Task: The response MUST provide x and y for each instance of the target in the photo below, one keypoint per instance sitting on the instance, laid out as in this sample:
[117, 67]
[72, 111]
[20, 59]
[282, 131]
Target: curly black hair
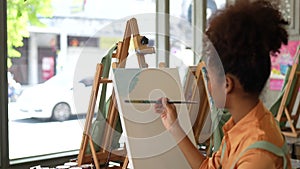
[244, 35]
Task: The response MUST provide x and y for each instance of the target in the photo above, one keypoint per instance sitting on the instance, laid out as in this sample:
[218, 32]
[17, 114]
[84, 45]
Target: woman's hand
[168, 114]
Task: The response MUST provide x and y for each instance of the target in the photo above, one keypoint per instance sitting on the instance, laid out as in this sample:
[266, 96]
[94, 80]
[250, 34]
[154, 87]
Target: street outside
[32, 137]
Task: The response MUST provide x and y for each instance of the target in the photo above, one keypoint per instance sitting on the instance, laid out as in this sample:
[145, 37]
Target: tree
[21, 14]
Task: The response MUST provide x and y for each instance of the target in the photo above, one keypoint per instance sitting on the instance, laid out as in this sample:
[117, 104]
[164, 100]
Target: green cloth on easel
[98, 126]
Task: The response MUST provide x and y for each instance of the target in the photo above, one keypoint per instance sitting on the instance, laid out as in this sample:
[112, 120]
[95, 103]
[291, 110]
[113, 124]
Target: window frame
[3, 85]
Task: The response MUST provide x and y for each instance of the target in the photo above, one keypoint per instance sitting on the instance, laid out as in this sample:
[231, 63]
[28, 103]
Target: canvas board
[149, 145]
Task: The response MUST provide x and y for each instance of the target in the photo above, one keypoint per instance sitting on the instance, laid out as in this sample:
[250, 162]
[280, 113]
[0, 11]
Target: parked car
[53, 99]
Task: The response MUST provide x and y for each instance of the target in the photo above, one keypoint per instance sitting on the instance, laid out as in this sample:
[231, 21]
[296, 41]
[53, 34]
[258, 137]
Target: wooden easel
[104, 155]
[195, 90]
[291, 91]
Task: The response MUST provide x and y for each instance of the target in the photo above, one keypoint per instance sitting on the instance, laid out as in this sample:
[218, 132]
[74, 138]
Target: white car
[54, 98]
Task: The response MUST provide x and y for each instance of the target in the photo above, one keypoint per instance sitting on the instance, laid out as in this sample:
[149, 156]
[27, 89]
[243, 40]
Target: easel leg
[82, 149]
[95, 159]
[290, 121]
[125, 164]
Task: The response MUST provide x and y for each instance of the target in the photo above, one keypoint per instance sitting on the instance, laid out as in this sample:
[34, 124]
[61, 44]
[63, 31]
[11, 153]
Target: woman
[244, 35]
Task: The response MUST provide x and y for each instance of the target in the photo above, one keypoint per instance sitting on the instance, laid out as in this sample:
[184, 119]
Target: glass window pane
[181, 40]
[43, 118]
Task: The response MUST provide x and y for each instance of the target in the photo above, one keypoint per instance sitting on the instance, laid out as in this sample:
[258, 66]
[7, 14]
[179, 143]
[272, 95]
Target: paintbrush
[159, 101]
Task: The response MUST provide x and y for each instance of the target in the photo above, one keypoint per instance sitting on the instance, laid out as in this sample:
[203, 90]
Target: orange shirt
[258, 125]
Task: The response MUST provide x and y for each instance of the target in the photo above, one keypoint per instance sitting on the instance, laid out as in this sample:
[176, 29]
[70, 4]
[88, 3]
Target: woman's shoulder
[267, 129]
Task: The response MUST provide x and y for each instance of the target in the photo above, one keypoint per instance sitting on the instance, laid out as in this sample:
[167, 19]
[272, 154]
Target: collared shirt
[258, 125]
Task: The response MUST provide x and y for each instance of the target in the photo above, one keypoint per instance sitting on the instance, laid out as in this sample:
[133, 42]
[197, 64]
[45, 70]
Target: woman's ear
[229, 84]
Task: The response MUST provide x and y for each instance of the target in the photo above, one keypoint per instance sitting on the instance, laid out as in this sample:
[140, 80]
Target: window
[43, 121]
[183, 35]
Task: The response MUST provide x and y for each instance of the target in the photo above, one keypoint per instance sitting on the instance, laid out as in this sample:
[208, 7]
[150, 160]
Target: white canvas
[148, 143]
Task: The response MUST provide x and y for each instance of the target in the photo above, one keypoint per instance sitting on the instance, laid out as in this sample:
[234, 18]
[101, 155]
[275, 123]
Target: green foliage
[21, 14]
